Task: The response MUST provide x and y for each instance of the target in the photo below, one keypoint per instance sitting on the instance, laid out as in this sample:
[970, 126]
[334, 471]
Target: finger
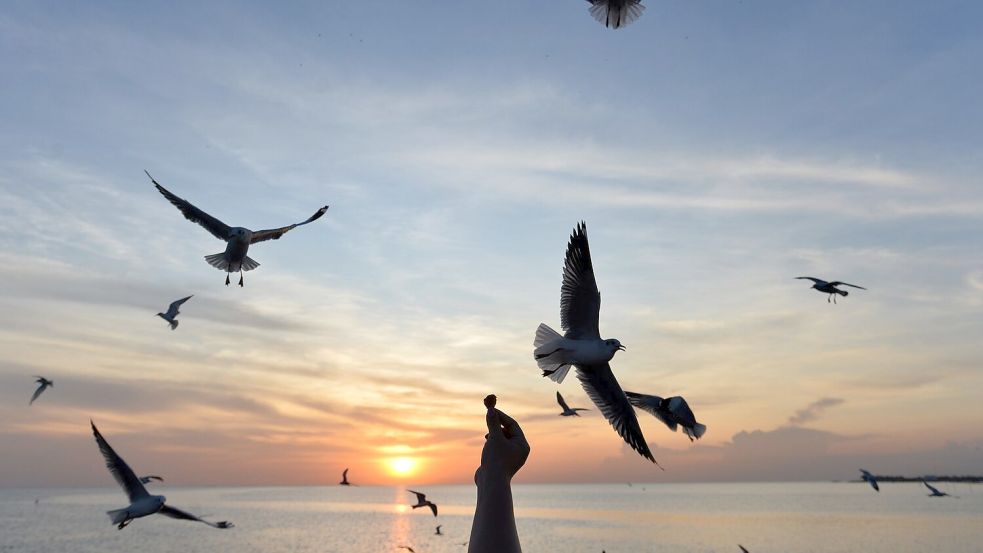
[512, 428]
[494, 426]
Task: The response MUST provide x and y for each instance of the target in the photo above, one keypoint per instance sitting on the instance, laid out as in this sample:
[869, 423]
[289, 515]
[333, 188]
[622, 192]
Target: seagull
[238, 239]
[743, 549]
[173, 311]
[672, 411]
[935, 491]
[870, 479]
[141, 503]
[421, 501]
[616, 13]
[406, 547]
[567, 411]
[582, 346]
[147, 479]
[437, 533]
[44, 384]
[344, 479]
[830, 287]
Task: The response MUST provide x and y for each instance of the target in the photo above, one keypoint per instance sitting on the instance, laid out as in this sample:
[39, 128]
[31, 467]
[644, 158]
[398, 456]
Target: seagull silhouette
[141, 503]
[616, 13]
[437, 533]
[935, 491]
[238, 239]
[830, 287]
[567, 411]
[406, 547]
[869, 478]
[173, 312]
[44, 384]
[344, 479]
[672, 411]
[742, 548]
[582, 347]
[421, 501]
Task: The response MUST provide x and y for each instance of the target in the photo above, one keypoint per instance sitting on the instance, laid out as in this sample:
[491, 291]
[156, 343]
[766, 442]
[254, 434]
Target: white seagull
[672, 411]
[173, 312]
[582, 346]
[147, 479]
[43, 384]
[567, 411]
[616, 13]
[421, 501]
[830, 287]
[238, 239]
[344, 479]
[141, 503]
[869, 478]
[935, 491]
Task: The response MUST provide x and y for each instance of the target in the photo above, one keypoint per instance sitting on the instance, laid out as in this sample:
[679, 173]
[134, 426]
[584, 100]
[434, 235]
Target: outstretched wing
[37, 393]
[931, 487]
[816, 280]
[276, 233]
[169, 511]
[218, 229]
[119, 469]
[650, 404]
[172, 311]
[580, 302]
[838, 283]
[742, 548]
[433, 507]
[599, 383]
[420, 497]
[563, 404]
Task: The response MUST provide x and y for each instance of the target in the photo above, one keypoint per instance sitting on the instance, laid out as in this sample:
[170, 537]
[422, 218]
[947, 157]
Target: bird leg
[240, 279]
[226, 279]
[124, 524]
[834, 299]
[829, 297]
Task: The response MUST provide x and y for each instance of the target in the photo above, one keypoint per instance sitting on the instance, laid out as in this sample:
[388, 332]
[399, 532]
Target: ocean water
[678, 518]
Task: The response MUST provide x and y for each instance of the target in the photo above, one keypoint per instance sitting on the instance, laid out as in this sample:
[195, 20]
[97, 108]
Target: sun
[402, 466]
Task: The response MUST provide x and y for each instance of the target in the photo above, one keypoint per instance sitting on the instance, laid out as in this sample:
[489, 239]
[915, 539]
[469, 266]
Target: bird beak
[622, 348]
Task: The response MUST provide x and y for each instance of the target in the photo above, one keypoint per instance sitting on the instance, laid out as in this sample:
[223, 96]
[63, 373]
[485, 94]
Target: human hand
[505, 450]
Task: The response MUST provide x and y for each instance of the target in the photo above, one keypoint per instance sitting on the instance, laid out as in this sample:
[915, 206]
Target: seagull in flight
[616, 13]
[672, 411]
[238, 239]
[869, 478]
[437, 533]
[43, 384]
[147, 479]
[830, 287]
[344, 479]
[421, 501]
[935, 491]
[406, 547]
[567, 411]
[173, 311]
[141, 503]
[582, 347]
[743, 549]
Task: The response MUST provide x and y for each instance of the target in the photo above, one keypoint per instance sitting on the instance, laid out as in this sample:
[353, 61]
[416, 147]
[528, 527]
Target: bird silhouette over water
[141, 503]
[935, 491]
[43, 384]
[616, 13]
[672, 411]
[582, 347]
[344, 479]
[438, 533]
[173, 311]
[567, 411]
[421, 501]
[869, 478]
[237, 239]
[830, 287]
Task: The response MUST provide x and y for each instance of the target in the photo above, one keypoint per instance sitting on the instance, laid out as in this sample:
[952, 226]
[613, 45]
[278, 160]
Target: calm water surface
[786, 518]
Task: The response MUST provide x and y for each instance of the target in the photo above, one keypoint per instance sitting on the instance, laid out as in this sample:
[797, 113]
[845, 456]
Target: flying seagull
[406, 547]
[147, 479]
[173, 312]
[437, 533]
[44, 385]
[869, 478]
[141, 503]
[935, 491]
[743, 549]
[567, 411]
[616, 13]
[344, 479]
[581, 345]
[238, 239]
[421, 501]
[830, 287]
[672, 411]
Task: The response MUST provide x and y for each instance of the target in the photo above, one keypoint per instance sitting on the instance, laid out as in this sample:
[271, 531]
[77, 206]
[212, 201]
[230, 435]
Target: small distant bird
[935, 491]
[344, 479]
[582, 346]
[742, 548]
[44, 384]
[438, 533]
[173, 312]
[406, 547]
[616, 13]
[830, 287]
[421, 501]
[147, 479]
[672, 411]
[869, 478]
[141, 503]
[238, 239]
[567, 411]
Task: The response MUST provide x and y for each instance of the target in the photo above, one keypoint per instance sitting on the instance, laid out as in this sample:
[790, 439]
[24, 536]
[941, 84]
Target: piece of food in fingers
[490, 401]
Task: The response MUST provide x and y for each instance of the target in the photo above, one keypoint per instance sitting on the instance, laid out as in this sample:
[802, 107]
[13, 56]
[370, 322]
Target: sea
[679, 518]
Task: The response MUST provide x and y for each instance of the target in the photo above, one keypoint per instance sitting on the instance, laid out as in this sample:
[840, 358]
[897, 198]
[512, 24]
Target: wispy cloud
[813, 411]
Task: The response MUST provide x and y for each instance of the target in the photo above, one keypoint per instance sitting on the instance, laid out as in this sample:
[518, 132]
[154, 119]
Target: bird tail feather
[699, 430]
[547, 344]
[218, 261]
[174, 324]
[117, 516]
[248, 263]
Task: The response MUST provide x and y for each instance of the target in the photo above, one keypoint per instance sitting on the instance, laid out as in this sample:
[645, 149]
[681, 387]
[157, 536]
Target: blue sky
[716, 151]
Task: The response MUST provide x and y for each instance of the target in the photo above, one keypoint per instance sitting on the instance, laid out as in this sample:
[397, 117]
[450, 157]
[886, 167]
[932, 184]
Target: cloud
[813, 411]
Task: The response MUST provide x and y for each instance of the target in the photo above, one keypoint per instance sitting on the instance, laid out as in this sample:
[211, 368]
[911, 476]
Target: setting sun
[402, 466]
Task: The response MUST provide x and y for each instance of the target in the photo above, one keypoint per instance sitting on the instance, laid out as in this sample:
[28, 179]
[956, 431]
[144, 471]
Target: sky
[716, 150]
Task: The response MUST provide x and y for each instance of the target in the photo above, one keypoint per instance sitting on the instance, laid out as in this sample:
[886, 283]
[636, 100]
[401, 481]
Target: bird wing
[173, 311]
[218, 229]
[931, 487]
[742, 548]
[147, 479]
[816, 280]
[838, 283]
[119, 469]
[650, 404]
[276, 233]
[344, 474]
[169, 511]
[580, 302]
[420, 497]
[603, 389]
[681, 410]
[433, 507]
[563, 404]
[37, 393]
